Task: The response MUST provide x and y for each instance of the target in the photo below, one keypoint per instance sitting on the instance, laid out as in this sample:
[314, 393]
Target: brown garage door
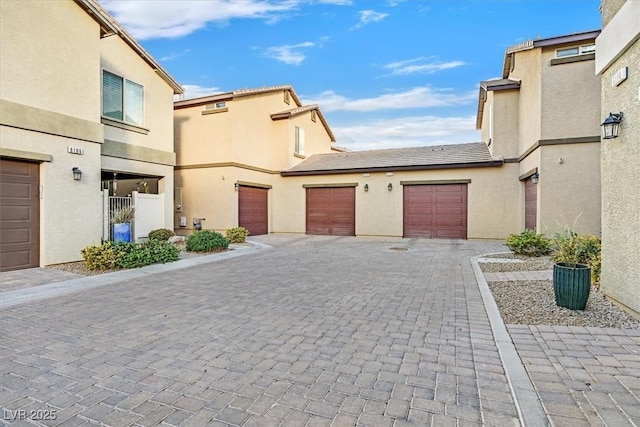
[530, 204]
[253, 209]
[19, 215]
[331, 211]
[435, 211]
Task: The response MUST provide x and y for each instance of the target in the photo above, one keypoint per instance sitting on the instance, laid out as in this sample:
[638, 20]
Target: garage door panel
[435, 211]
[253, 209]
[331, 211]
[19, 215]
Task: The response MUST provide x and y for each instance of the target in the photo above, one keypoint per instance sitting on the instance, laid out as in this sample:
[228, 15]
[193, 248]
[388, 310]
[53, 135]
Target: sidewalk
[582, 376]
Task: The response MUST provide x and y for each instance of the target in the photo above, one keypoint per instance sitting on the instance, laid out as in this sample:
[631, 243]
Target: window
[122, 99]
[299, 149]
[576, 50]
[217, 105]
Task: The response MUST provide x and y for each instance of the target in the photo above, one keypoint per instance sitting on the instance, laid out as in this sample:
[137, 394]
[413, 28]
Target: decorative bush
[103, 257]
[128, 255]
[206, 241]
[572, 248]
[161, 234]
[237, 234]
[136, 255]
[529, 243]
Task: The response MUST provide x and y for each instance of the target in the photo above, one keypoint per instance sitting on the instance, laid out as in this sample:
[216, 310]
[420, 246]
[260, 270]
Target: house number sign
[75, 150]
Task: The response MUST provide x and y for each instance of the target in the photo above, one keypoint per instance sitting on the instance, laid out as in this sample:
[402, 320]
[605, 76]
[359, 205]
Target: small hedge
[206, 241]
[529, 243]
[161, 234]
[572, 248]
[237, 234]
[109, 255]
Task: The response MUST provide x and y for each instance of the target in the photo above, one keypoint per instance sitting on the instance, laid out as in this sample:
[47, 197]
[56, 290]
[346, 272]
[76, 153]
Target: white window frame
[580, 50]
[299, 141]
[126, 94]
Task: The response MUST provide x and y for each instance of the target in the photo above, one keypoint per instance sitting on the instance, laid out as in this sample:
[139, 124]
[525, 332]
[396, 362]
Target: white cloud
[420, 66]
[413, 131]
[170, 19]
[418, 97]
[174, 55]
[336, 2]
[195, 91]
[289, 54]
[368, 16]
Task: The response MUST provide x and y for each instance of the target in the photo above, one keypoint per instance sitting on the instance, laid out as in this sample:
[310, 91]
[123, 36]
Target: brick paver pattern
[318, 331]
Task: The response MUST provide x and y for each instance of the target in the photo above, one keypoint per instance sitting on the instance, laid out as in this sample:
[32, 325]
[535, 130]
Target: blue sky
[386, 73]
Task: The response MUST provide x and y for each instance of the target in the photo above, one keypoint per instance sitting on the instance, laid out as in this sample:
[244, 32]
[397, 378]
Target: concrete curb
[527, 402]
[36, 293]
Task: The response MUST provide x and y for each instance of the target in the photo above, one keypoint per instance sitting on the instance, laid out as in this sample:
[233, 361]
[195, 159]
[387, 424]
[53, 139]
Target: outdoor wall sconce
[390, 187]
[366, 187]
[77, 173]
[535, 178]
[611, 125]
[236, 185]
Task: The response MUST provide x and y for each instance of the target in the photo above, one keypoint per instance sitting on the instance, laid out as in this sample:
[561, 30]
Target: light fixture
[236, 185]
[390, 187]
[611, 125]
[77, 173]
[535, 178]
[366, 187]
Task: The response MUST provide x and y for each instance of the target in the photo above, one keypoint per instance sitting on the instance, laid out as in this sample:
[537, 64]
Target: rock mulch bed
[533, 302]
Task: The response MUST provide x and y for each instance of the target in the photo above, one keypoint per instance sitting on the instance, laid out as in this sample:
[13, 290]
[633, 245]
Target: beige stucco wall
[70, 211]
[49, 49]
[570, 98]
[246, 134]
[503, 107]
[210, 193]
[527, 69]
[379, 212]
[569, 192]
[621, 175]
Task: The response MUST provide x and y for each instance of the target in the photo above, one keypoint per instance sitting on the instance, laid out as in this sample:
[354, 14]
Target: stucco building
[543, 117]
[76, 91]
[618, 64]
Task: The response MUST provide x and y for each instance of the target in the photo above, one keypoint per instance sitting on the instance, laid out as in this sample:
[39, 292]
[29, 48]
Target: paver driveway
[316, 331]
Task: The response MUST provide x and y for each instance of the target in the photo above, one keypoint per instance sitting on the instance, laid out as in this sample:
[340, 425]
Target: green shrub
[111, 255]
[103, 257]
[529, 243]
[135, 255]
[161, 234]
[206, 241]
[237, 234]
[572, 248]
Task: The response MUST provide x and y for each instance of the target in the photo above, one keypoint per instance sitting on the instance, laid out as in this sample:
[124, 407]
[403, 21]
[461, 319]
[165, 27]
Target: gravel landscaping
[533, 302]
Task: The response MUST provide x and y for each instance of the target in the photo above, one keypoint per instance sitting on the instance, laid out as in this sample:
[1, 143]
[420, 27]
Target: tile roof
[286, 114]
[413, 158]
[237, 94]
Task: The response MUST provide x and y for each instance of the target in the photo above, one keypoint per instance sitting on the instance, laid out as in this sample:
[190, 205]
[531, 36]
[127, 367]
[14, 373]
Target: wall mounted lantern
[611, 125]
[77, 173]
[366, 187]
[390, 187]
[535, 178]
[236, 185]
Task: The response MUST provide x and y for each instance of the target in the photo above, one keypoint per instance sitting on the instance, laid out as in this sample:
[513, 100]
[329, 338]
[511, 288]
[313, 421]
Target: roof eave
[488, 163]
[111, 27]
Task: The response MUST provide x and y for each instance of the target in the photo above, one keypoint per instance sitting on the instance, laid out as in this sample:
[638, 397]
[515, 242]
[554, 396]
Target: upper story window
[575, 50]
[299, 147]
[122, 99]
[217, 105]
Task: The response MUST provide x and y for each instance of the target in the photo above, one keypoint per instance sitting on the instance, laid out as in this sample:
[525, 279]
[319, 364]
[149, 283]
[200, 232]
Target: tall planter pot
[122, 232]
[571, 285]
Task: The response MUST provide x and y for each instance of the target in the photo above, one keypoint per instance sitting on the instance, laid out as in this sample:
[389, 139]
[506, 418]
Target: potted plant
[121, 219]
[572, 272]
